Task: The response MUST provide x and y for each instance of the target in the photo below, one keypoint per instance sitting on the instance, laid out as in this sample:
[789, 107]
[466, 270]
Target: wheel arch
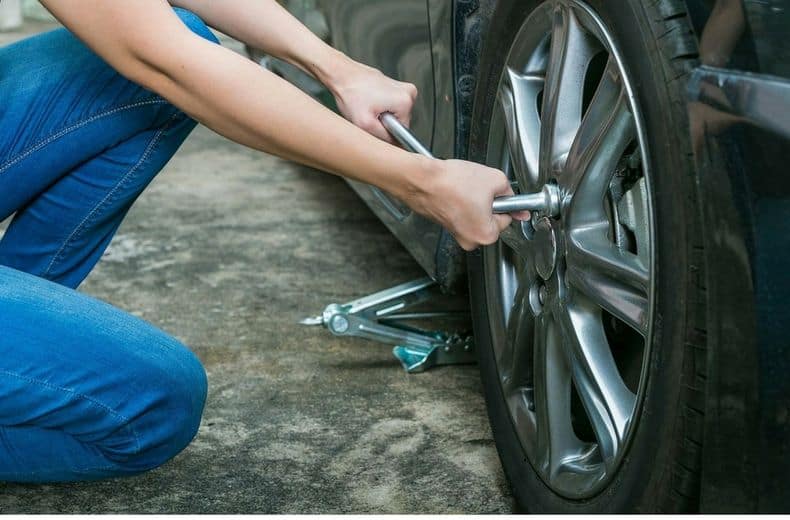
[471, 20]
[458, 28]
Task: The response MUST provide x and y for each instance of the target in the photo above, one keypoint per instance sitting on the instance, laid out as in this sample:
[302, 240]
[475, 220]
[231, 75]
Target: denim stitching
[77, 232]
[12, 476]
[5, 475]
[124, 420]
[67, 130]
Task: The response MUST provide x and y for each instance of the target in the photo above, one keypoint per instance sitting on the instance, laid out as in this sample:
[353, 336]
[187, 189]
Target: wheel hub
[549, 261]
[545, 240]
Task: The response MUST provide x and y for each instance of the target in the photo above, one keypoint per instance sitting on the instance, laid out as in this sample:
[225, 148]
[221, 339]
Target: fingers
[405, 119]
[370, 93]
[377, 129]
[506, 190]
[403, 109]
[466, 245]
[498, 225]
[412, 90]
[521, 215]
[502, 222]
[382, 133]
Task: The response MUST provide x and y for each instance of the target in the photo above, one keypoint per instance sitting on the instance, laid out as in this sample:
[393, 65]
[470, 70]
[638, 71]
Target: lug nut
[538, 295]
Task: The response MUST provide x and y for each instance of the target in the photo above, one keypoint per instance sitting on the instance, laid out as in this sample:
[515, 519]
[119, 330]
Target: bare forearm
[266, 25]
[251, 106]
[232, 95]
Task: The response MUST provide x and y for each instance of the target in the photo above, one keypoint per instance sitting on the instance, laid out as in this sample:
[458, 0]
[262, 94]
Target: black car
[634, 343]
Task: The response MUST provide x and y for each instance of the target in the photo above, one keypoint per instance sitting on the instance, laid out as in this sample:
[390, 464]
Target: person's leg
[87, 391]
[78, 144]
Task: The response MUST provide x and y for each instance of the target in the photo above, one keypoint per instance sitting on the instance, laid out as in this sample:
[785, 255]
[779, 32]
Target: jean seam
[125, 422]
[16, 474]
[129, 175]
[54, 137]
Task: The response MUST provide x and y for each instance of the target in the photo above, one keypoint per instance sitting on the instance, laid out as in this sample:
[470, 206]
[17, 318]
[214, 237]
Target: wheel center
[546, 247]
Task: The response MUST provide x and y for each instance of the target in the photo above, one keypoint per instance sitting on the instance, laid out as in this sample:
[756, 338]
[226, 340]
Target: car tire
[659, 467]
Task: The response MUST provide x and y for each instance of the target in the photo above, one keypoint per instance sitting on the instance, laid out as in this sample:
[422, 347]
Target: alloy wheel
[570, 293]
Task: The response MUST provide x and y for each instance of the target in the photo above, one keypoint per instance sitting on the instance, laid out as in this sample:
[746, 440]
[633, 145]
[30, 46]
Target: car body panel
[739, 101]
[394, 37]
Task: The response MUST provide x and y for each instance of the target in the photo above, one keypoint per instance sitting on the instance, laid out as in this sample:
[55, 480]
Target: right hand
[459, 195]
[362, 93]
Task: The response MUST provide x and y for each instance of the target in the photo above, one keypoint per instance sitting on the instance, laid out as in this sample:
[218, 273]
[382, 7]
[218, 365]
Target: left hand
[363, 93]
[459, 196]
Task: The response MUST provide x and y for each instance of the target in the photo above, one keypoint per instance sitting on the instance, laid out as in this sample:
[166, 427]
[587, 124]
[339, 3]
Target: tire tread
[678, 45]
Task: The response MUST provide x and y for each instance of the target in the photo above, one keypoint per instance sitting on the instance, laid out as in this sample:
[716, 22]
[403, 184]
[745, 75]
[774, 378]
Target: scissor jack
[381, 317]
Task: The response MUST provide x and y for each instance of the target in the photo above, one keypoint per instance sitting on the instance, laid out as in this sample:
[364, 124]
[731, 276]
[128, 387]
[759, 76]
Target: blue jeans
[86, 391]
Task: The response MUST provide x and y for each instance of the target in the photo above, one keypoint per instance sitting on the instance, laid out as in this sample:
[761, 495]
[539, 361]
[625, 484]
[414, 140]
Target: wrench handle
[531, 201]
[524, 202]
[403, 135]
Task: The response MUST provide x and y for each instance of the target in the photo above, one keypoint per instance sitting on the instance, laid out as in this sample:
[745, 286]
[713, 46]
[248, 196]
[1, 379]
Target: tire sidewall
[643, 480]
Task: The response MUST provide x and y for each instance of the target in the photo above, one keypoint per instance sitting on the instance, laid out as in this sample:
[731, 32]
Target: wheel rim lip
[495, 267]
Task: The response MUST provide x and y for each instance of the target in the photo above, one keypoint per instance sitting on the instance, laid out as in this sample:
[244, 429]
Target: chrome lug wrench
[545, 201]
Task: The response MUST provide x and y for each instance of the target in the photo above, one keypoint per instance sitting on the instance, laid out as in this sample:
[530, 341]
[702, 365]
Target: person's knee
[184, 402]
[195, 24]
[169, 415]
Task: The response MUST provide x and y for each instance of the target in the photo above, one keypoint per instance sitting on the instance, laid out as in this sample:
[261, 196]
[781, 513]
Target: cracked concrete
[227, 250]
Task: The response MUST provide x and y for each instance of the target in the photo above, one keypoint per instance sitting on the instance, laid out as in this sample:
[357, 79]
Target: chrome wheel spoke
[615, 280]
[598, 157]
[606, 399]
[520, 327]
[572, 48]
[604, 129]
[518, 98]
[555, 439]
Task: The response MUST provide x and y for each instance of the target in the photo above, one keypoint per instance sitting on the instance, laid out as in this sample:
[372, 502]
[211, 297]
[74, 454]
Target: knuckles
[489, 238]
[481, 238]
[407, 102]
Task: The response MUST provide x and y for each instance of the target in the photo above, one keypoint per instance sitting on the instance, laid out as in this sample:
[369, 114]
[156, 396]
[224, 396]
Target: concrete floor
[227, 250]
